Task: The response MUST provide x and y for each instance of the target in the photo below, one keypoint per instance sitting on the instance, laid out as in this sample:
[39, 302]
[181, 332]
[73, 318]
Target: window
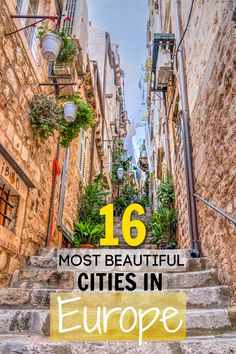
[8, 207]
[70, 8]
[4, 197]
[29, 7]
[82, 153]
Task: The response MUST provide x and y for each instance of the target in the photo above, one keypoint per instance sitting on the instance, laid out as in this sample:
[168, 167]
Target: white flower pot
[51, 46]
[70, 111]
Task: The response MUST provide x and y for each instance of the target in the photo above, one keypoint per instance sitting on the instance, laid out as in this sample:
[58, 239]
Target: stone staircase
[25, 318]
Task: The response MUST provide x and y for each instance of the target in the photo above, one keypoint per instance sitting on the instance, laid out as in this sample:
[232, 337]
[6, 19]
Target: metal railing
[219, 211]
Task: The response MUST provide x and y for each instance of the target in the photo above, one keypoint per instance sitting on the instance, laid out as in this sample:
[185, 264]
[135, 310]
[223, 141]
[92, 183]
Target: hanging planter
[51, 46]
[70, 111]
[57, 45]
[45, 116]
[69, 130]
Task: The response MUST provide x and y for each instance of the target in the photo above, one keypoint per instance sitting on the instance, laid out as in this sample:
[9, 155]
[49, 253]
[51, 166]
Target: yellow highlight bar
[103, 316]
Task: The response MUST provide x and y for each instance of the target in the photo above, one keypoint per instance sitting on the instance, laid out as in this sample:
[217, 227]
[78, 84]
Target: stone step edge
[75, 289]
[53, 269]
[188, 310]
[227, 335]
[208, 345]
[199, 322]
[217, 297]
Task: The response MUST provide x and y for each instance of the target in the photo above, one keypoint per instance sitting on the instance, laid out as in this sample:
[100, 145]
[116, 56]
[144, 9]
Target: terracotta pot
[86, 245]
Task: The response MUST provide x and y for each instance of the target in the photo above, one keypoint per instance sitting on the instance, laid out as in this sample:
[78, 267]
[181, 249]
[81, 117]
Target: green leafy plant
[126, 197]
[92, 201]
[87, 233]
[120, 203]
[163, 226]
[84, 119]
[165, 194]
[68, 50]
[128, 193]
[45, 115]
[144, 201]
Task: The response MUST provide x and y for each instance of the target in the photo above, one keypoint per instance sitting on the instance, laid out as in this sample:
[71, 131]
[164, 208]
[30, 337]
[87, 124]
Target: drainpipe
[187, 139]
[53, 191]
[167, 143]
[94, 129]
[52, 199]
[107, 38]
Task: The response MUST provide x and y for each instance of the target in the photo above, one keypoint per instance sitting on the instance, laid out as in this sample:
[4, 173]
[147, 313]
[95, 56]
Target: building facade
[208, 40]
[41, 182]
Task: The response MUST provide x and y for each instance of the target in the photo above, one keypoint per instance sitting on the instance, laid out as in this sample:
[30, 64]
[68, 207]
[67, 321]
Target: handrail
[219, 211]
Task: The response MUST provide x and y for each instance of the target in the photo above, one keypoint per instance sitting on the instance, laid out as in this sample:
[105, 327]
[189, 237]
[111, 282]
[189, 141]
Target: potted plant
[87, 235]
[57, 45]
[84, 119]
[163, 226]
[51, 44]
[45, 115]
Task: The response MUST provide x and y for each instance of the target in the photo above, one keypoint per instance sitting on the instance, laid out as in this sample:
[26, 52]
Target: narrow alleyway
[121, 135]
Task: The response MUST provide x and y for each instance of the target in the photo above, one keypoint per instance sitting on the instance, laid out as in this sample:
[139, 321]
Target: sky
[126, 21]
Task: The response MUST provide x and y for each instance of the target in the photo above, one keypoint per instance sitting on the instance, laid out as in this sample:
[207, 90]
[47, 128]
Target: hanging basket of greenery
[84, 119]
[45, 115]
[57, 45]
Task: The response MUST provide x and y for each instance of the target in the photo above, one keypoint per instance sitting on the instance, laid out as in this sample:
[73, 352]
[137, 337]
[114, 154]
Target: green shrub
[87, 233]
[92, 201]
[126, 197]
[163, 226]
[165, 194]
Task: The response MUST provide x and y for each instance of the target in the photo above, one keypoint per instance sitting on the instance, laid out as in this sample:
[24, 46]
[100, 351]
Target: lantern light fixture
[120, 173]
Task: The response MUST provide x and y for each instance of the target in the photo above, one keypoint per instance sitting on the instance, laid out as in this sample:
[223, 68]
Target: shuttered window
[69, 10]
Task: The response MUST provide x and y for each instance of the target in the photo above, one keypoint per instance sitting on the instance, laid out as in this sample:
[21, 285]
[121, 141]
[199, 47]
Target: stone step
[197, 279]
[52, 252]
[47, 251]
[142, 246]
[16, 344]
[193, 264]
[43, 278]
[210, 297]
[54, 279]
[37, 322]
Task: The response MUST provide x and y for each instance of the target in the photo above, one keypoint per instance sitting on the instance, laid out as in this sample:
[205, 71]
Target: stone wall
[210, 50]
[20, 78]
